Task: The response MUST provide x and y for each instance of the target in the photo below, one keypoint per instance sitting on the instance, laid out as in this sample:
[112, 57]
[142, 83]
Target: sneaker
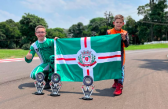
[47, 85]
[115, 84]
[118, 90]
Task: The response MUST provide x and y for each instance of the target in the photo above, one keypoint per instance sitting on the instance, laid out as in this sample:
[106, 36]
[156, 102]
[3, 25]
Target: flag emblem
[86, 58]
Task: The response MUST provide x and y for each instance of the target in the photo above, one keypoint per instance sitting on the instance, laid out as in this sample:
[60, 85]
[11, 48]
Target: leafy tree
[144, 10]
[158, 15]
[77, 30]
[96, 23]
[155, 15]
[27, 27]
[56, 32]
[143, 32]
[9, 34]
[132, 28]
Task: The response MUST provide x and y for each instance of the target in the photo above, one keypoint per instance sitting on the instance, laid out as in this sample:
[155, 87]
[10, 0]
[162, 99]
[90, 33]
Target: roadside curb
[15, 59]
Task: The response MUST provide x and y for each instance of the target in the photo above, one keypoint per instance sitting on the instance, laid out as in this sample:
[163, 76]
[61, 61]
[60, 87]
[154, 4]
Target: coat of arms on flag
[86, 58]
[98, 57]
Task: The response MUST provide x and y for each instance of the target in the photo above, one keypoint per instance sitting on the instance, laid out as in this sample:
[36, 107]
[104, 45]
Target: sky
[65, 13]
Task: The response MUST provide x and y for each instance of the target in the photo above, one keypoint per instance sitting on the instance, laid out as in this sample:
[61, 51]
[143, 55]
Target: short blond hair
[119, 16]
[39, 26]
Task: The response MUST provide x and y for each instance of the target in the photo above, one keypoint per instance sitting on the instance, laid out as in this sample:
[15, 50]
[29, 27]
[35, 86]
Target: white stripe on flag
[85, 43]
[88, 72]
[55, 57]
[66, 59]
[65, 62]
[67, 56]
[82, 43]
[108, 54]
[104, 57]
[109, 60]
[108, 57]
[88, 43]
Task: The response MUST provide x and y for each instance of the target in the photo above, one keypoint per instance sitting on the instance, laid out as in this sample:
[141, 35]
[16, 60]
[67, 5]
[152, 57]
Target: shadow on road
[26, 85]
[154, 64]
[104, 92]
[99, 92]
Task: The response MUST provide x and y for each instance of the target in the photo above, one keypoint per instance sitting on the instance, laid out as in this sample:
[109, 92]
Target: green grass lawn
[12, 53]
[18, 53]
[148, 46]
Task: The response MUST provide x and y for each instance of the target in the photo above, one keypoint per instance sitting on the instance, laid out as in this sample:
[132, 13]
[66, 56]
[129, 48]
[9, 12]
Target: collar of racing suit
[42, 41]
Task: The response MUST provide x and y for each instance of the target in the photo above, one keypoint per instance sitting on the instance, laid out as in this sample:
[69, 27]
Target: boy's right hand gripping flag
[98, 57]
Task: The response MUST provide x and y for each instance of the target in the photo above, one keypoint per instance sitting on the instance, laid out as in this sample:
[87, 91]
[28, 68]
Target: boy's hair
[39, 26]
[119, 16]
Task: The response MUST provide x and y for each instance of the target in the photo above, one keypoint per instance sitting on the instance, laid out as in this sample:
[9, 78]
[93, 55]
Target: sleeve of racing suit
[126, 42]
[32, 51]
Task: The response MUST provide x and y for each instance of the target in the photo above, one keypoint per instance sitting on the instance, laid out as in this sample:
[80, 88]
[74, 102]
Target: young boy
[118, 23]
[44, 48]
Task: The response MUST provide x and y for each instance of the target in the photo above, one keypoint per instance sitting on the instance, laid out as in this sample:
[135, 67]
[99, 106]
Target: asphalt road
[145, 86]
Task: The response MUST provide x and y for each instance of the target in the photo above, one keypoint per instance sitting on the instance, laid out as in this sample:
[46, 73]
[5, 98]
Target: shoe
[115, 84]
[118, 90]
[47, 85]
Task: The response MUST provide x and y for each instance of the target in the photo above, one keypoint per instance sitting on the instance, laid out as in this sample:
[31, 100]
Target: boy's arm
[107, 32]
[30, 54]
[126, 41]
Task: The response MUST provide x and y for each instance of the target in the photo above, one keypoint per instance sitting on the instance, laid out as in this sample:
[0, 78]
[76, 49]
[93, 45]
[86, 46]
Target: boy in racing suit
[118, 23]
[44, 48]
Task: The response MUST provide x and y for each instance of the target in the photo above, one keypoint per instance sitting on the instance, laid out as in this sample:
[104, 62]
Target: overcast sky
[65, 13]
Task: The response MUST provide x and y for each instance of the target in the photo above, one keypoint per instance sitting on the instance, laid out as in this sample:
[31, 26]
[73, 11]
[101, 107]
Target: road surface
[145, 86]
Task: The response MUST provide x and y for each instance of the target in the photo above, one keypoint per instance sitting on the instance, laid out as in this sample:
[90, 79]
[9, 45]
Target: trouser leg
[39, 69]
[122, 79]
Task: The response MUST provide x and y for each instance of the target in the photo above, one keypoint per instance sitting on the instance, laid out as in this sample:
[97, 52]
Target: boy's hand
[55, 38]
[123, 35]
[29, 55]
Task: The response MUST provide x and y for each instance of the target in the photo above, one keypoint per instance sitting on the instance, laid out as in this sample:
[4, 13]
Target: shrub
[12, 45]
[26, 46]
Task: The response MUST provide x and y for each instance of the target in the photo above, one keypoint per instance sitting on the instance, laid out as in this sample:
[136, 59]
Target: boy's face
[40, 33]
[118, 23]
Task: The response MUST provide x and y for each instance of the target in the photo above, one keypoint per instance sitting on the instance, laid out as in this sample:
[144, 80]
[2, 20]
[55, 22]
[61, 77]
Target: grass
[13, 53]
[148, 46]
[18, 53]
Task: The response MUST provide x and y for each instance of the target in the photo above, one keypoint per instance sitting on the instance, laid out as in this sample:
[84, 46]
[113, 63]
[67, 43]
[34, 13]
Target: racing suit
[45, 50]
[124, 43]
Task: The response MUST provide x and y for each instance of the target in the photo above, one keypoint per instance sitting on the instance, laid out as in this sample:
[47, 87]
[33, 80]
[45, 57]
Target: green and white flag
[98, 57]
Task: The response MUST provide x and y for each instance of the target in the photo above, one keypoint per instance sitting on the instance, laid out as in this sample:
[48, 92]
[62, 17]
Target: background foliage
[153, 27]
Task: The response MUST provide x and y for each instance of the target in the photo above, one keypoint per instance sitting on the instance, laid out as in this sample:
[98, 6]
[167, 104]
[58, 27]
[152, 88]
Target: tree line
[153, 27]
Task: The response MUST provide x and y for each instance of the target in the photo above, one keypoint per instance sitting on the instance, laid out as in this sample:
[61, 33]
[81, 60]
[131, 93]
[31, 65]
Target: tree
[27, 27]
[109, 19]
[158, 15]
[9, 34]
[56, 32]
[132, 28]
[144, 10]
[96, 23]
[77, 30]
[143, 31]
[155, 15]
